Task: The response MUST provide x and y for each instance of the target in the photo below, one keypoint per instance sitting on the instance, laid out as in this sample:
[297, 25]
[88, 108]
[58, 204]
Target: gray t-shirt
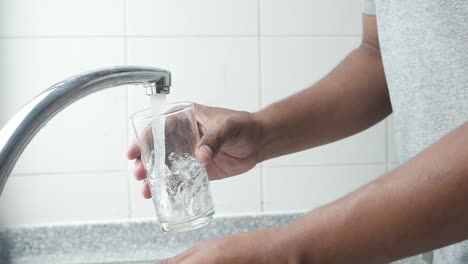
[424, 46]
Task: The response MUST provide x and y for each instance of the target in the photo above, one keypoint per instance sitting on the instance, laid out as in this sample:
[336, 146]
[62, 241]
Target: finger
[204, 151]
[146, 191]
[140, 171]
[210, 143]
[201, 118]
[133, 152]
[204, 154]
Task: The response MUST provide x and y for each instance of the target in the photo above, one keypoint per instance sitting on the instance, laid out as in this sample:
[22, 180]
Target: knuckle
[231, 122]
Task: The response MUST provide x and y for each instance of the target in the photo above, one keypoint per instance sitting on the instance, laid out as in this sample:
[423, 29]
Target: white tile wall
[310, 17]
[393, 161]
[240, 54]
[187, 17]
[392, 155]
[214, 71]
[290, 64]
[363, 148]
[61, 18]
[305, 188]
[57, 198]
[391, 166]
[238, 194]
[139, 207]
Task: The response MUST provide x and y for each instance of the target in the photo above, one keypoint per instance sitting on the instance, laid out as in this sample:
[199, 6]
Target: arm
[413, 209]
[351, 98]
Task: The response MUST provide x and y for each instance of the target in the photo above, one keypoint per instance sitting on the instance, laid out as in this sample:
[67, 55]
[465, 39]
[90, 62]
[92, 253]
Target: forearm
[351, 98]
[413, 209]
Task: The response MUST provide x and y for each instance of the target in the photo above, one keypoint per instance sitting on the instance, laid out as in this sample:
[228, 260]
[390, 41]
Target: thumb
[209, 145]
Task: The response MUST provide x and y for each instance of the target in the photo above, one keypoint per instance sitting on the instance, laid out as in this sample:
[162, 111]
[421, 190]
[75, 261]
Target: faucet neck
[19, 131]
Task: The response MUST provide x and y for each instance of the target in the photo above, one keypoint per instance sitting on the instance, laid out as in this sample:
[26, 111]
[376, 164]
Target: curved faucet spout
[18, 132]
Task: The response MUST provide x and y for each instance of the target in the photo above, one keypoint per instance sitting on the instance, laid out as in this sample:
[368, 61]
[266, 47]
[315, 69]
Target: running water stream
[158, 104]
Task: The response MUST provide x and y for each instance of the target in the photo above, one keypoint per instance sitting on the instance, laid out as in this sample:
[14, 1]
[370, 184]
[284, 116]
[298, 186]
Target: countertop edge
[123, 241]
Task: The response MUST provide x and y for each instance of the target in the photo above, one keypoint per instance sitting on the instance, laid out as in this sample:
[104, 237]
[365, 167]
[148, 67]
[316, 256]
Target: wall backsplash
[75, 169]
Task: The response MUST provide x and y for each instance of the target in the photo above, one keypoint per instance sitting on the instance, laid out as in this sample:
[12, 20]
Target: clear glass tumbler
[178, 181]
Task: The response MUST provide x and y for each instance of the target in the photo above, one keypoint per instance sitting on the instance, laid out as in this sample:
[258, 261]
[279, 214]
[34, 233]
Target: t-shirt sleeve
[368, 7]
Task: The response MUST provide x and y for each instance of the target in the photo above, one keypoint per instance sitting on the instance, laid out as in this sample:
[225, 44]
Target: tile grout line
[386, 145]
[326, 165]
[260, 167]
[184, 36]
[129, 196]
[259, 50]
[65, 173]
[251, 36]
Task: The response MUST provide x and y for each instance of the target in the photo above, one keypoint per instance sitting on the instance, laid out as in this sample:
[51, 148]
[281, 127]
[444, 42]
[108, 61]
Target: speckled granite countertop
[119, 242]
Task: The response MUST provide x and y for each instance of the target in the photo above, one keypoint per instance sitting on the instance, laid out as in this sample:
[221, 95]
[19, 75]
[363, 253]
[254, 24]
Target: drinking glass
[178, 181]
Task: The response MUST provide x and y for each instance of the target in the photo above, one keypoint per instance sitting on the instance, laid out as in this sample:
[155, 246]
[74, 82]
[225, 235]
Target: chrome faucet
[18, 132]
